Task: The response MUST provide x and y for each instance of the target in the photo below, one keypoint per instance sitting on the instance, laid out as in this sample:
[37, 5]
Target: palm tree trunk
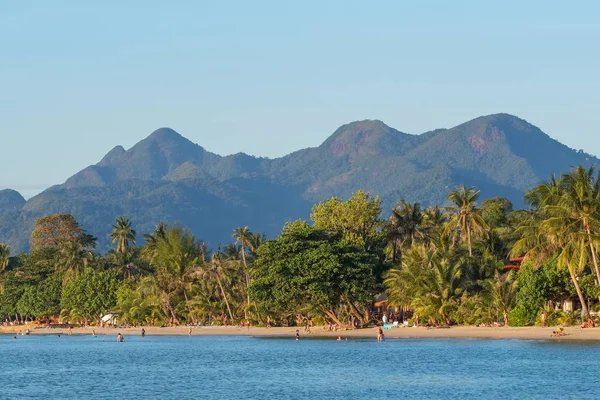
[246, 273]
[594, 256]
[469, 240]
[187, 303]
[584, 309]
[225, 297]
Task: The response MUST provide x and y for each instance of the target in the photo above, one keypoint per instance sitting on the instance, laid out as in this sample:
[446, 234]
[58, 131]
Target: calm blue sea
[80, 367]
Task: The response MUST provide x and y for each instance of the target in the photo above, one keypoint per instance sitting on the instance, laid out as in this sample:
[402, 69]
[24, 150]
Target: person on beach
[69, 331]
[268, 322]
[384, 319]
[248, 324]
[143, 332]
[543, 318]
[190, 331]
[417, 320]
[225, 321]
[297, 334]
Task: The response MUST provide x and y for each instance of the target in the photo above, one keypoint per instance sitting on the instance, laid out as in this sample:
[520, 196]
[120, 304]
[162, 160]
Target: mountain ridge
[171, 179]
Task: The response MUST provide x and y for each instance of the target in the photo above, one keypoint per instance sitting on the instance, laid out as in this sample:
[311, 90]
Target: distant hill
[166, 177]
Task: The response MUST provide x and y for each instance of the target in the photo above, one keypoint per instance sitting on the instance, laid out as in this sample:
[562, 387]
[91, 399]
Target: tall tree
[466, 217]
[122, 234]
[4, 256]
[243, 236]
[54, 230]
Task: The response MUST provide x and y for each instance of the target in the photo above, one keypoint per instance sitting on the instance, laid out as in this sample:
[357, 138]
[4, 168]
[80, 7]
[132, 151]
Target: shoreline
[574, 333]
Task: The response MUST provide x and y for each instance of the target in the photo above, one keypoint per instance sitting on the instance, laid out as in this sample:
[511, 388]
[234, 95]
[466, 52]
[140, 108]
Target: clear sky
[268, 78]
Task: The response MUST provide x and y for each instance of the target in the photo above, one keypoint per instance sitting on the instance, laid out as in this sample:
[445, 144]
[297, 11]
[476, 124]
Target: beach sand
[534, 333]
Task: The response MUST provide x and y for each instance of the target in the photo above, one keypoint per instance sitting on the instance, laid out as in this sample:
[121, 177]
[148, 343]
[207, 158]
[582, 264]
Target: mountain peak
[10, 200]
[165, 134]
[112, 156]
[371, 136]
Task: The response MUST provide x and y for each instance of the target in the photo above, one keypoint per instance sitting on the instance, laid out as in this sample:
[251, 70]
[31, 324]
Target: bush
[520, 316]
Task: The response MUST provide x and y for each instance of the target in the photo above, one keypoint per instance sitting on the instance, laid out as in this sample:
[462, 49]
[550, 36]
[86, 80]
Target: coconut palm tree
[243, 236]
[122, 234]
[579, 207]
[549, 234]
[73, 257]
[466, 217]
[219, 267]
[501, 293]
[405, 227]
[4, 256]
[152, 239]
[177, 257]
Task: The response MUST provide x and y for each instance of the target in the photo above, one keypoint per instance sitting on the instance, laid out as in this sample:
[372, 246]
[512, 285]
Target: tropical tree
[4, 256]
[466, 217]
[244, 237]
[122, 234]
[405, 227]
[177, 257]
[501, 293]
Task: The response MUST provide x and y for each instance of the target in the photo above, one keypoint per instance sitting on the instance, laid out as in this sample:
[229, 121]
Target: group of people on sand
[588, 324]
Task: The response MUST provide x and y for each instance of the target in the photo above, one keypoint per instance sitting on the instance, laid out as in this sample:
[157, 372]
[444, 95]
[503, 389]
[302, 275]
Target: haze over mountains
[166, 177]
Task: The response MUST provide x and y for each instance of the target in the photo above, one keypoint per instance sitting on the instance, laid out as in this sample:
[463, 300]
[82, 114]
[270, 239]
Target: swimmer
[93, 332]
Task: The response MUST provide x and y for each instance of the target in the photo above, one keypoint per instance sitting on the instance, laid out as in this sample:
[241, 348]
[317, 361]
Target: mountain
[166, 177]
[10, 200]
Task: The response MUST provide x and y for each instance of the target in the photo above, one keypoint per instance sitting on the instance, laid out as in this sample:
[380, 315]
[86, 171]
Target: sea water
[205, 367]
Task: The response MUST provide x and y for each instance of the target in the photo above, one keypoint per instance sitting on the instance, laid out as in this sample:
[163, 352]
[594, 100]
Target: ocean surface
[170, 367]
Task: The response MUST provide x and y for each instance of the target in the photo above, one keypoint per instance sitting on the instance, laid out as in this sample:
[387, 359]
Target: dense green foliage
[166, 177]
[442, 266]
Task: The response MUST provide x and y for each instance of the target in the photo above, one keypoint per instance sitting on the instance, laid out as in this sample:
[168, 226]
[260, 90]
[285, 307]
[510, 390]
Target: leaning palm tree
[579, 208]
[122, 234]
[218, 267]
[545, 237]
[466, 217]
[243, 236]
[4, 256]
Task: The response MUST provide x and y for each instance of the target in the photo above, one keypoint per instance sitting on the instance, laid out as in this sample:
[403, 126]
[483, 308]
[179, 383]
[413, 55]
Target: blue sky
[269, 78]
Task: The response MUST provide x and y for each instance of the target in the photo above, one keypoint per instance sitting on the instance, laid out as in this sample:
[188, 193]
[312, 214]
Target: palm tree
[4, 256]
[502, 293]
[152, 239]
[122, 234]
[466, 217]
[550, 234]
[72, 258]
[405, 226]
[217, 268]
[243, 236]
[176, 259]
[579, 207]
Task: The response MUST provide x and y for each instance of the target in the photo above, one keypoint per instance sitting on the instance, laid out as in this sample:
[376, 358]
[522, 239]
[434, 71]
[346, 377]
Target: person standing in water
[297, 334]
[143, 332]
[69, 331]
[380, 336]
[93, 332]
[190, 331]
[119, 337]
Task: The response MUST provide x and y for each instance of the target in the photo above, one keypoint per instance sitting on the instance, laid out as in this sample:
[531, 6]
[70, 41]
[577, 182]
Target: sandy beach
[533, 333]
